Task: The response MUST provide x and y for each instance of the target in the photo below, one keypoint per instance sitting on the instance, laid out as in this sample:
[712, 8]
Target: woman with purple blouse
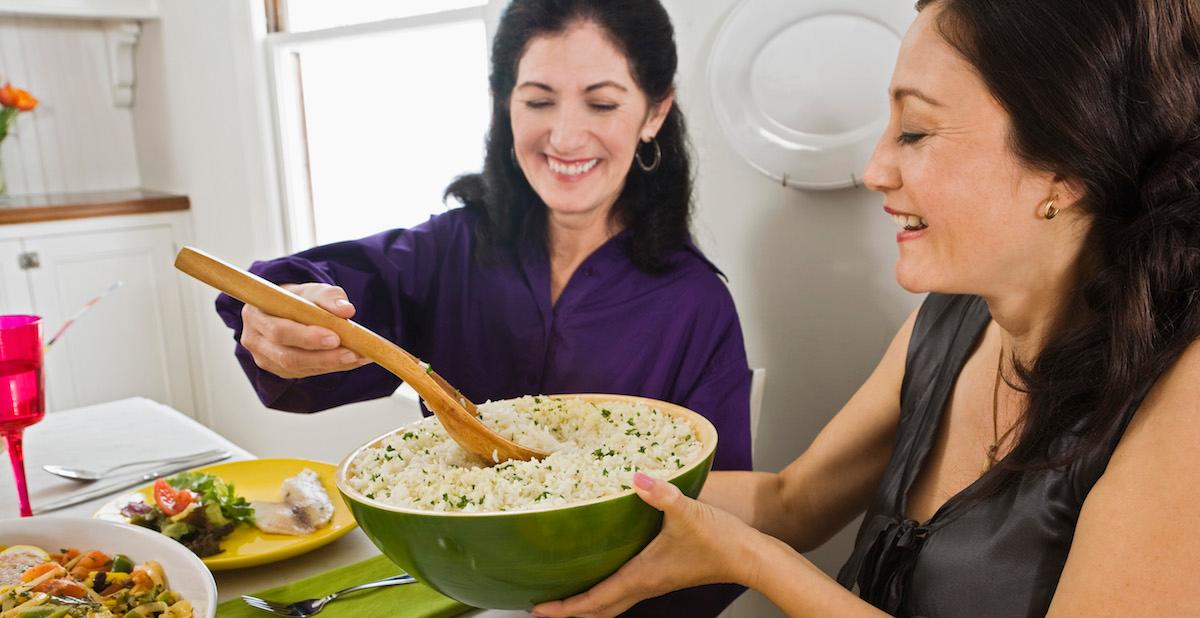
[569, 268]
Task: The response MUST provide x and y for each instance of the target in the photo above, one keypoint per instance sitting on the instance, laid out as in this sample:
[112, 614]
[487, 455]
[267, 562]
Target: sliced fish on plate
[305, 507]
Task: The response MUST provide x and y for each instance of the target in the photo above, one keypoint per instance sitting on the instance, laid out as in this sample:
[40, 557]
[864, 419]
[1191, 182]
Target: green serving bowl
[516, 559]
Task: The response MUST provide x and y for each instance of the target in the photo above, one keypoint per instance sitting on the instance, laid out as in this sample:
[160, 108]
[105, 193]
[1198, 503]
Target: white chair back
[758, 380]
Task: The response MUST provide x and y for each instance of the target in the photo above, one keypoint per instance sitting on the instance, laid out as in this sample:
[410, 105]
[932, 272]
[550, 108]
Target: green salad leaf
[214, 491]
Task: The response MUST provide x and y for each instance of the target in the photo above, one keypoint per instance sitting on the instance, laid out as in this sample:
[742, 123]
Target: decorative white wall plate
[799, 87]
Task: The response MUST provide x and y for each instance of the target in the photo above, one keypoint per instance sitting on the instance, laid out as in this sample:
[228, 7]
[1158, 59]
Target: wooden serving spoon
[456, 413]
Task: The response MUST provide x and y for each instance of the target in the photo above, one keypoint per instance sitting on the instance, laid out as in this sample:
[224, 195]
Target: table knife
[126, 483]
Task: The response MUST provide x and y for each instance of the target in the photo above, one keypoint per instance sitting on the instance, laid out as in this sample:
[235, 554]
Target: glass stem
[16, 453]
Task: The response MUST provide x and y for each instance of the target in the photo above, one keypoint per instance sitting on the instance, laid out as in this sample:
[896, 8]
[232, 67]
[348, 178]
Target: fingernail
[642, 481]
[341, 302]
[349, 357]
[329, 341]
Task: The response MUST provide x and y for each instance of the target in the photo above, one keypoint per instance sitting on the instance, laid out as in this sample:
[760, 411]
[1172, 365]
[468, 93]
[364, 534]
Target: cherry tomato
[170, 501]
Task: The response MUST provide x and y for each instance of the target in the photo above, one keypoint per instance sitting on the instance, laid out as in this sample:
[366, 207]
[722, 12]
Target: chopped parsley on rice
[595, 449]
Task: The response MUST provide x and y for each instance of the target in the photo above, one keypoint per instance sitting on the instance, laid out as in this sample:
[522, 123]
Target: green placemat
[410, 600]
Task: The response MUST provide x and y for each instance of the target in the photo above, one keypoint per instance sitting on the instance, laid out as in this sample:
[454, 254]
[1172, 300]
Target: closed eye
[908, 139]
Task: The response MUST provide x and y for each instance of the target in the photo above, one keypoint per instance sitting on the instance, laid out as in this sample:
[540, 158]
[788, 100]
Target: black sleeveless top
[997, 556]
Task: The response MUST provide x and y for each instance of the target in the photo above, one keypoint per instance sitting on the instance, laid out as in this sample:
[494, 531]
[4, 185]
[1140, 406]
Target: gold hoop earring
[1049, 211]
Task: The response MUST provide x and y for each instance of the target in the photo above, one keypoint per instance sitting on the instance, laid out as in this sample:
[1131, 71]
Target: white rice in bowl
[595, 449]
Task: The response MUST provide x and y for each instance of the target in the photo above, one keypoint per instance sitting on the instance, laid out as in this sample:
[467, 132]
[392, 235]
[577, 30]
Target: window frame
[283, 51]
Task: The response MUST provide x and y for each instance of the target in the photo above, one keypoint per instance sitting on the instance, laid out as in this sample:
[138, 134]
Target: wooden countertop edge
[142, 205]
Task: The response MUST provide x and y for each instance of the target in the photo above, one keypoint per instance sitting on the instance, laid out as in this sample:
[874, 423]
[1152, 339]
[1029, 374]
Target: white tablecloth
[98, 437]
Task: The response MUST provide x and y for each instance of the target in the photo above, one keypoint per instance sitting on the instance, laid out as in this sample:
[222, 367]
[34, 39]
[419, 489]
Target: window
[375, 119]
[308, 15]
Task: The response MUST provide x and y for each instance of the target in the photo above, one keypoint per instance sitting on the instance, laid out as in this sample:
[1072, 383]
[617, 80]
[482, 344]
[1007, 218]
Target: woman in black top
[1030, 442]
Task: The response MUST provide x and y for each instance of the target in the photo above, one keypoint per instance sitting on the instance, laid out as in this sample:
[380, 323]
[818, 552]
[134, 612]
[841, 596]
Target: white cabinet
[135, 341]
[14, 288]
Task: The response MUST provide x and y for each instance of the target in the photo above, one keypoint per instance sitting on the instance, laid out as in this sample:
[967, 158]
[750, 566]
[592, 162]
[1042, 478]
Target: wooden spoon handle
[254, 290]
[456, 412]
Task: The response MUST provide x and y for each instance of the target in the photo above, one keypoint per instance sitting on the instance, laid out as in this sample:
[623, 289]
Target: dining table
[140, 429]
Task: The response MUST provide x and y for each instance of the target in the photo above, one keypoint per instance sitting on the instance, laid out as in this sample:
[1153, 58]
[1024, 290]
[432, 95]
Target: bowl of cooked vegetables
[59, 567]
[511, 534]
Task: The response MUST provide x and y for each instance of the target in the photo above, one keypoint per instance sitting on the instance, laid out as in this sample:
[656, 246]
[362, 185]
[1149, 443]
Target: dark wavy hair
[1105, 94]
[654, 207]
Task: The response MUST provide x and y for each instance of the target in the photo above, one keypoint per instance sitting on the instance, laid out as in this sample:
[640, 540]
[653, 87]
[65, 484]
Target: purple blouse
[492, 332]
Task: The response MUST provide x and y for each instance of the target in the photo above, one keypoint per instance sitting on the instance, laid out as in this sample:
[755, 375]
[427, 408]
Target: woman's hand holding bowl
[699, 544]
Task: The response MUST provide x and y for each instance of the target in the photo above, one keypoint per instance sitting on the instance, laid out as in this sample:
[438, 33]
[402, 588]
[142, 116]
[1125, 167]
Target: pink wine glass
[22, 396]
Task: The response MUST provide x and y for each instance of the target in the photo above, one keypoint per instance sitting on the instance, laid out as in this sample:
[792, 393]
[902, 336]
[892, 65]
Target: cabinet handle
[28, 260]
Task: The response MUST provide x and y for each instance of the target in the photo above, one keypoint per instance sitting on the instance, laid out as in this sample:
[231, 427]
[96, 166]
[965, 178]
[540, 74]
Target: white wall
[811, 272]
[76, 139]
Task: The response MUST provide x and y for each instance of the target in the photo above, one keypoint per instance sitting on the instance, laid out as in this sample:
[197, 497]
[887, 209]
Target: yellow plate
[258, 479]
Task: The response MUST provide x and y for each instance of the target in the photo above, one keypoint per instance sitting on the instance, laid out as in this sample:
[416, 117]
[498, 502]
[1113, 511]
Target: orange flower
[15, 97]
[25, 101]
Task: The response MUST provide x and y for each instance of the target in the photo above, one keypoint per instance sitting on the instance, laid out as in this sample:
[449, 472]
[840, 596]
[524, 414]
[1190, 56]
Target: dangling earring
[1049, 211]
[512, 154]
[657, 157]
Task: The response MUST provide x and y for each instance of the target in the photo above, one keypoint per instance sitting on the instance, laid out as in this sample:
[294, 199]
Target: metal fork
[310, 607]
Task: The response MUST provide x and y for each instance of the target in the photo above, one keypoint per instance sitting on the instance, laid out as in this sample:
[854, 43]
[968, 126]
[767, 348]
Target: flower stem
[7, 116]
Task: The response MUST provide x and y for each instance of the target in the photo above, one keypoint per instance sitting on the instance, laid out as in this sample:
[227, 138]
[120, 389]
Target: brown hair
[654, 207]
[1106, 94]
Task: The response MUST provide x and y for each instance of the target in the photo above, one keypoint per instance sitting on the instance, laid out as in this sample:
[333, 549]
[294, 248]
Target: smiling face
[968, 209]
[577, 118]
